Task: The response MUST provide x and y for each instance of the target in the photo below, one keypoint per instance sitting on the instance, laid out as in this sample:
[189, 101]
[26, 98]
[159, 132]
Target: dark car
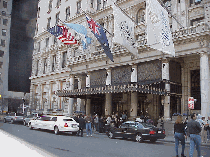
[137, 131]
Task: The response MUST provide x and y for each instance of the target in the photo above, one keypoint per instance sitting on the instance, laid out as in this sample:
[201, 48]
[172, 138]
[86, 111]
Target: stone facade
[152, 83]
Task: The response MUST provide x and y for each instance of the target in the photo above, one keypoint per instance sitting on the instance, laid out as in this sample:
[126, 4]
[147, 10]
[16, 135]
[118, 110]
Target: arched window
[140, 17]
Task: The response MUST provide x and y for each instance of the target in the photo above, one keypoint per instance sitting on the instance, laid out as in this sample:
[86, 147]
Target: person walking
[194, 129]
[204, 131]
[81, 125]
[88, 121]
[124, 117]
[208, 128]
[96, 119]
[179, 135]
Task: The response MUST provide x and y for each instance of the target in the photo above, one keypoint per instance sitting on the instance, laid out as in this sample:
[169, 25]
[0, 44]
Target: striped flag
[62, 34]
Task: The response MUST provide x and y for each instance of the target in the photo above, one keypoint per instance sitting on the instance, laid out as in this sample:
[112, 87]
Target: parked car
[55, 123]
[137, 131]
[30, 117]
[14, 118]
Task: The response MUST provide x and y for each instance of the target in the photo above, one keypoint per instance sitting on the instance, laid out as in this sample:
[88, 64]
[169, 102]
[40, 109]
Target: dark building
[23, 23]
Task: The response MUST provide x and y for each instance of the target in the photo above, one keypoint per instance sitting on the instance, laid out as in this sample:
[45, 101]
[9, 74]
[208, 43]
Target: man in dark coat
[81, 125]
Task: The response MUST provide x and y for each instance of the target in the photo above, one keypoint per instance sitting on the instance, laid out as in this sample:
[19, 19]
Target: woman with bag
[179, 135]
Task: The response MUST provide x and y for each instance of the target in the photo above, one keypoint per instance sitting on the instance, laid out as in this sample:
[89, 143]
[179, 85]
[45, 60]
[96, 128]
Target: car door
[124, 128]
[51, 123]
[131, 130]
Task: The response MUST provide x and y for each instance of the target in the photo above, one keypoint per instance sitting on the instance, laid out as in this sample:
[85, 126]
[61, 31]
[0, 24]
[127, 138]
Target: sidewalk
[13, 146]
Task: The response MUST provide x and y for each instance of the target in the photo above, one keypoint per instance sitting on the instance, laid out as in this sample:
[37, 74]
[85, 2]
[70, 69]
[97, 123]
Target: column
[88, 80]
[134, 104]
[165, 76]
[88, 106]
[49, 95]
[108, 104]
[108, 77]
[78, 99]
[134, 73]
[32, 96]
[71, 100]
[40, 96]
[58, 82]
[204, 78]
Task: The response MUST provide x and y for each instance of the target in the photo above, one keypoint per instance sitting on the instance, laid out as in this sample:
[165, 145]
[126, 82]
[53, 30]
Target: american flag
[62, 34]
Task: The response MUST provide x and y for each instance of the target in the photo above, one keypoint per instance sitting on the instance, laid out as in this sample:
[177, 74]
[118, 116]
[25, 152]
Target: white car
[55, 123]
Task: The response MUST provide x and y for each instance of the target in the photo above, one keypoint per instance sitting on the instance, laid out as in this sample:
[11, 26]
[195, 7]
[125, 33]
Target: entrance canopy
[153, 88]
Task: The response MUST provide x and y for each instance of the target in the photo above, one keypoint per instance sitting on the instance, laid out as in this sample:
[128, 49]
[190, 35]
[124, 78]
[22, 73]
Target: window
[195, 2]
[38, 12]
[64, 59]
[104, 3]
[4, 4]
[48, 22]
[55, 40]
[98, 4]
[4, 32]
[67, 13]
[58, 3]
[1, 64]
[2, 43]
[53, 63]
[1, 53]
[50, 6]
[167, 4]
[37, 67]
[78, 7]
[39, 46]
[140, 17]
[5, 21]
[47, 42]
[3, 13]
[92, 3]
[45, 66]
[196, 21]
[57, 18]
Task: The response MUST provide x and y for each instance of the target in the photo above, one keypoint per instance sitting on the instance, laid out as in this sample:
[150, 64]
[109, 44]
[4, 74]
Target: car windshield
[19, 114]
[67, 119]
[147, 125]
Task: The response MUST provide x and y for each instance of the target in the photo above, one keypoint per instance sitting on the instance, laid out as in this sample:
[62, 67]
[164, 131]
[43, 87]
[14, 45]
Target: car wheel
[12, 121]
[110, 135]
[24, 123]
[4, 120]
[153, 140]
[138, 138]
[30, 126]
[56, 130]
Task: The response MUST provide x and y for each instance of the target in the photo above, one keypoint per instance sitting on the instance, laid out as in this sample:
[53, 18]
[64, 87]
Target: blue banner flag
[99, 33]
[80, 29]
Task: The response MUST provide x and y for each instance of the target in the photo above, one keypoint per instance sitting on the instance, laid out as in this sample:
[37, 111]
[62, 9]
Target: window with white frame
[196, 21]
[67, 13]
[38, 13]
[57, 17]
[3, 13]
[64, 59]
[92, 3]
[3, 43]
[47, 42]
[4, 4]
[104, 3]
[48, 22]
[5, 21]
[53, 62]
[195, 2]
[1, 53]
[98, 4]
[78, 7]
[140, 17]
[45, 66]
[50, 6]
[4, 32]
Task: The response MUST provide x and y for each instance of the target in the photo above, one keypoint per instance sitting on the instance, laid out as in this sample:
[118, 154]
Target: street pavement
[21, 140]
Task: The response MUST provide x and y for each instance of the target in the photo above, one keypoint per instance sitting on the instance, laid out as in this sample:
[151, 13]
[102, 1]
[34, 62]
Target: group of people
[197, 129]
[95, 123]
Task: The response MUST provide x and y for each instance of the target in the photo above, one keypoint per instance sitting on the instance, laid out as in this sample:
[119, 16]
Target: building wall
[79, 62]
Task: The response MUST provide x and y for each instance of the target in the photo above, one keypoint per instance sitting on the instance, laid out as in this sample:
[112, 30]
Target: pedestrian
[96, 122]
[179, 135]
[81, 125]
[204, 131]
[101, 124]
[88, 121]
[162, 122]
[124, 117]
[208, 128]
[194, 129]
[108, 120]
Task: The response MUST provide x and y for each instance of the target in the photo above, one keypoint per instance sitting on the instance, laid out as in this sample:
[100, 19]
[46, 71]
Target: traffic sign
[191, 103]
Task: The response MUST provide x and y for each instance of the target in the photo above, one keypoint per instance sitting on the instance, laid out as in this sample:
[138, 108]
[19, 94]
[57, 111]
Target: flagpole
[161, 3]
[92, 18]
[126, 14]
